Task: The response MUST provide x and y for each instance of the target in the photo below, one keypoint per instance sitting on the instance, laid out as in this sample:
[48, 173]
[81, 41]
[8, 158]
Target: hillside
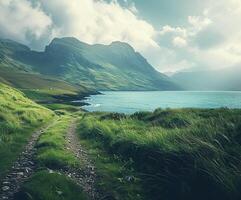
[223, 79]
[103, 67]
[39, 87]
[18, 117]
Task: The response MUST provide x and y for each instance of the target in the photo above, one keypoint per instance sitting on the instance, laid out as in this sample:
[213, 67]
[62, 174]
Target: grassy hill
[39, 87]
[19, 116]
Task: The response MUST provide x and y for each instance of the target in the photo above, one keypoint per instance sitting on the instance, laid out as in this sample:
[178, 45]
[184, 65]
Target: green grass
[63, 107]
[38, 87]
[19, 117]
[52, 154]
[116, 178]
[51, 147]
[28, 80]
[178, 154]
[46, 186]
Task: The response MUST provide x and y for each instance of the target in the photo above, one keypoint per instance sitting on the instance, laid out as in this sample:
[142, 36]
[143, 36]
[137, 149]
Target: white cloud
[179, 42]
[176, 30]
[99, 22]
[19, 19]
[88, 20]
[211, 40]
[198, 23]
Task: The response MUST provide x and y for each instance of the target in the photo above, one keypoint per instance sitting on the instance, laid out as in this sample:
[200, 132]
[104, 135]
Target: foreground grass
[177, 154]
[19, 117]
[116, 178]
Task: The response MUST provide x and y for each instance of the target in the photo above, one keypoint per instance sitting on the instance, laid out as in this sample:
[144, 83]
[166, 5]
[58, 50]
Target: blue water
[130, 102]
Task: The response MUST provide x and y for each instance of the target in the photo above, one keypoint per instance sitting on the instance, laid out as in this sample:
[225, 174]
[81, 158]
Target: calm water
[129, 102]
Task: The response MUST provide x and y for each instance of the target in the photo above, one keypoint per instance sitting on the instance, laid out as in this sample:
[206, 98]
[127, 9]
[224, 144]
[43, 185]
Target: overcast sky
[172, 34]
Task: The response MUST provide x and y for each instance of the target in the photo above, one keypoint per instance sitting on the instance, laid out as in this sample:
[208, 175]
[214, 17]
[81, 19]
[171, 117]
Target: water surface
[130, 102]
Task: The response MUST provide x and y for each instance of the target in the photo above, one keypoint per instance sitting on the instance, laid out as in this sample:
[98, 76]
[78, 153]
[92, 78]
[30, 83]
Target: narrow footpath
[25, 166]
[85, 176]
[21, 170]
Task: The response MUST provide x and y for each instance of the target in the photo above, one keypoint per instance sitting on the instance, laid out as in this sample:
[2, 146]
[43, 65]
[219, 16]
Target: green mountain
[223, 79]
[104, 67]
[21, 75]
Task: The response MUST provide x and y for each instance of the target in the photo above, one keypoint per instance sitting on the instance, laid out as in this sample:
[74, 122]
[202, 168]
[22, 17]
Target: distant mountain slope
[105, 67]
[21, 75]
[224, 79]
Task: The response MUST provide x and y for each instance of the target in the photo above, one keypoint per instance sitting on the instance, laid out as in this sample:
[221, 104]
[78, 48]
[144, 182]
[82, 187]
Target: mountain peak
[65, 44]
[120, 44]
[68, 40]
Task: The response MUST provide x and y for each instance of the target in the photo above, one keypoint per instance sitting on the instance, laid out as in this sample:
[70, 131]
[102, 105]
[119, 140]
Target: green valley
[120, 100]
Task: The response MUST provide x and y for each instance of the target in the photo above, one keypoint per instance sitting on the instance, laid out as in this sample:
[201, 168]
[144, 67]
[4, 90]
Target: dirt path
[86, 175]
[21, 170]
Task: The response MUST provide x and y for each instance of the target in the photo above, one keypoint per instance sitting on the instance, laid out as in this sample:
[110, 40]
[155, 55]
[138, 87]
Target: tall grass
[179, 154]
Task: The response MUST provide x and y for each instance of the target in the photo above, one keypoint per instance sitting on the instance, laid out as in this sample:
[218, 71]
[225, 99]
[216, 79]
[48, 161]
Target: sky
[174, 35]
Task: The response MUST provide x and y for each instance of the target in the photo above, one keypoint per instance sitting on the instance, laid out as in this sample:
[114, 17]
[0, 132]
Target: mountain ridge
[116, 66]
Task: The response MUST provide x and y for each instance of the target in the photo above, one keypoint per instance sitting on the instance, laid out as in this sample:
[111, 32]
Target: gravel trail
[84, 176]
[22, 168]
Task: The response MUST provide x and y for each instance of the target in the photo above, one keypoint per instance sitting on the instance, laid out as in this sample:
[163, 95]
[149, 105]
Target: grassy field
[19, 117]
[176, 154]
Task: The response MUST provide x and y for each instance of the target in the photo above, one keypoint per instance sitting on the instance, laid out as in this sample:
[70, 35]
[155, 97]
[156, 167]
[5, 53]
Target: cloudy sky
[173, 35]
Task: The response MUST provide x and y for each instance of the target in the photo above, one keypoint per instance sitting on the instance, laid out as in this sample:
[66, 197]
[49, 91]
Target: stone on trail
[5, 188]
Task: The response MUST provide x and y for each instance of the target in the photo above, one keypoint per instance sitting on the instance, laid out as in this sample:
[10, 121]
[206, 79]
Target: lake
[130, 102]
